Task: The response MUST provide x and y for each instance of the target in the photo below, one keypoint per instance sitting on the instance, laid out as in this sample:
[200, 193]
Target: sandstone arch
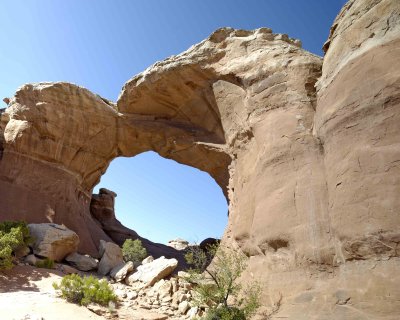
[311, 174]
[197, 108]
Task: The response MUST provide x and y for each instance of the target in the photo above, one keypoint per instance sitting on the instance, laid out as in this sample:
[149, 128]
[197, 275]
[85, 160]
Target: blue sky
[100, 44]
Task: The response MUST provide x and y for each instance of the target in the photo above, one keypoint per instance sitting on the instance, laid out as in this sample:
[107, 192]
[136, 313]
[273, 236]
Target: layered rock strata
[311, 172]
[356, 121]
[55, 149]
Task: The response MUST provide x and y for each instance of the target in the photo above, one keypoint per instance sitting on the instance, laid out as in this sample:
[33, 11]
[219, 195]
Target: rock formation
[54, 150]
[306, 151]
[102, 209]
[178, 244]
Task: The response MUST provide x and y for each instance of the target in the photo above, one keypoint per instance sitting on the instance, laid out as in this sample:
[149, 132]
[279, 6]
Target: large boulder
[111, 256]
[82, 262]
[53, 241]
[151, 272]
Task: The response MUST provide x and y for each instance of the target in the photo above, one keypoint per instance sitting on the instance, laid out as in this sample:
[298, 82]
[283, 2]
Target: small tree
[214, 274]
[134, 251]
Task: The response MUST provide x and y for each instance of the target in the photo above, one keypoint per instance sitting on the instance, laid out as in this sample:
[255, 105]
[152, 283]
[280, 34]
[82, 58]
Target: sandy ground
[25, 290]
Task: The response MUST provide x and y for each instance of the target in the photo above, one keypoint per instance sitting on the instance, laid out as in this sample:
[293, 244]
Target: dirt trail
[27, 290]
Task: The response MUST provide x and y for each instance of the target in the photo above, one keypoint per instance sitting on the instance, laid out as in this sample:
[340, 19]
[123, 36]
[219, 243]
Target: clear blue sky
[100, 44]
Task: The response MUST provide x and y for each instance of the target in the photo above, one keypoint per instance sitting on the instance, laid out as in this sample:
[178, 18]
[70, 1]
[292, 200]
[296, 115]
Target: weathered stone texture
[306, 151]
[55, 151]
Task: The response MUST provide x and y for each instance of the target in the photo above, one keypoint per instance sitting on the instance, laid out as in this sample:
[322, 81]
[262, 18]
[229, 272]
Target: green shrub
[84, 290]
[8, 243]
[46, 263]
[13, 235]
[225, 313]
[6, 227]
[214, 275]
[134, 251]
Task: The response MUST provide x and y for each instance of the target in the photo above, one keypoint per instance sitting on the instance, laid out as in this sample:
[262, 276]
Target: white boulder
[153, 271]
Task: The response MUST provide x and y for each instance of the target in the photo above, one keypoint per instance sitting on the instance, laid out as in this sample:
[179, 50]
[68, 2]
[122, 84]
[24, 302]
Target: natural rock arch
[311, 173]
[197, 108]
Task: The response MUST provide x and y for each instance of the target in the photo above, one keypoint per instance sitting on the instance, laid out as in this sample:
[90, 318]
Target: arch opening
[162, 200]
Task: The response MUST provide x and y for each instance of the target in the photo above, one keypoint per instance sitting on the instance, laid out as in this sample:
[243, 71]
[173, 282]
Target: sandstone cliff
[306, 151]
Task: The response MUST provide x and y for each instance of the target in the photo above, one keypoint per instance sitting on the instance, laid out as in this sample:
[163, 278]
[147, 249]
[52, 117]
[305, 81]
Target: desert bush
[134, 251]
[8, 243]
[84, 290]
[13, 235]
[45, 263]
[6, 227]
[225, 313]
[214, 274]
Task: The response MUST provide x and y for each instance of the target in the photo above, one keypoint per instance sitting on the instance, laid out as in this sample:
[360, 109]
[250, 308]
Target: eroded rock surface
[311, 173]
[54, 152]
